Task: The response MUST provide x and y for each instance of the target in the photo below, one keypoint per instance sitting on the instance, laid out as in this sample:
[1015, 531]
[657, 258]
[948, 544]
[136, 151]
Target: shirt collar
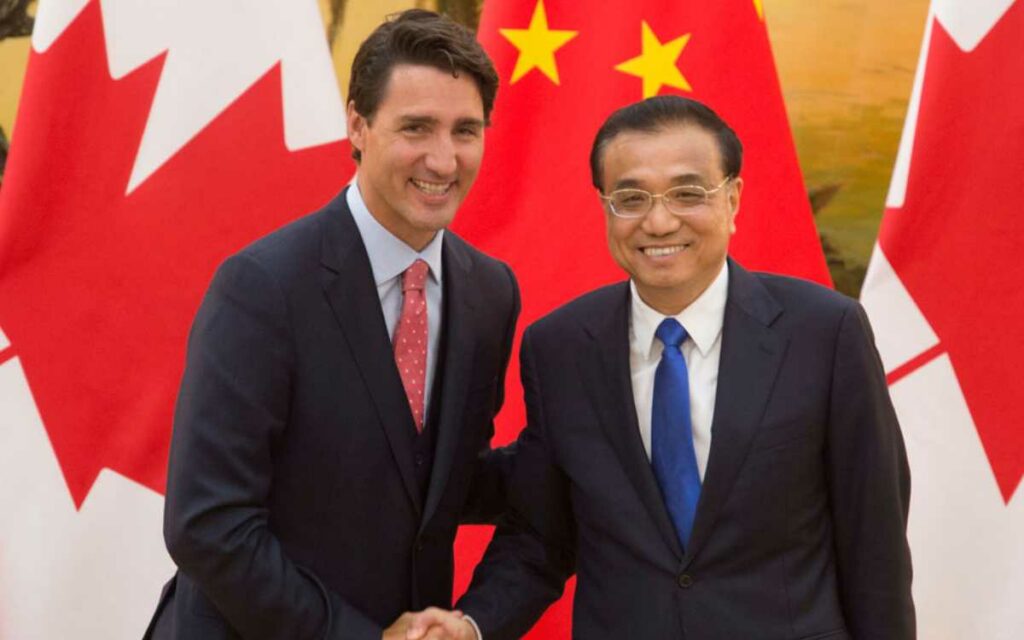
[389, 256]
[702, 319]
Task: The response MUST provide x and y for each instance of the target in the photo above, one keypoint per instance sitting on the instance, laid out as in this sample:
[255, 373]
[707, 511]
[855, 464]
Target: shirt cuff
[470, 620]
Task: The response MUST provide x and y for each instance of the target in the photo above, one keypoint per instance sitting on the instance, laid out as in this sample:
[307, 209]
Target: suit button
[419, 546]
[419, 460]
[685, 580]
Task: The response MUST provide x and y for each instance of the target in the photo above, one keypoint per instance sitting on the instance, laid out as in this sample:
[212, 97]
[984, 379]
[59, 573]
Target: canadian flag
[153, 139]
[944, 293]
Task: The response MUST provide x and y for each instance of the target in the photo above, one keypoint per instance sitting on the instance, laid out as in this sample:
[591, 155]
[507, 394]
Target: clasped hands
[431, 624]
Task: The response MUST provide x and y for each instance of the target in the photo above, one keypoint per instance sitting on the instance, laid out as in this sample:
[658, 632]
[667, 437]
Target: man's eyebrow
[627, 183]
[678, 180]
[416, 119]
[413, 119]
[688, 179]
[470, 122]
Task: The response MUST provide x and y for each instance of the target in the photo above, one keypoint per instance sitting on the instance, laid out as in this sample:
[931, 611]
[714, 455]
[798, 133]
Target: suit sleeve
[486, 501]
[533, 552]
[869, 487]
[231, 413]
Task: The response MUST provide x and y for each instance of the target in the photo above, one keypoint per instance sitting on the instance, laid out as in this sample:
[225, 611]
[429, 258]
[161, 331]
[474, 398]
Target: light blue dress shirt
[389, 258]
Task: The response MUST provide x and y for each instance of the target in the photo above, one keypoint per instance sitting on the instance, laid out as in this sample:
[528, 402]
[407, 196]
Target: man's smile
[432, 188]
[658, 252]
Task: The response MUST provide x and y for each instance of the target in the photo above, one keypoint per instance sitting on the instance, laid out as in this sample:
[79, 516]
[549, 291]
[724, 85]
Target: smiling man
[335, 415]
[712, 451]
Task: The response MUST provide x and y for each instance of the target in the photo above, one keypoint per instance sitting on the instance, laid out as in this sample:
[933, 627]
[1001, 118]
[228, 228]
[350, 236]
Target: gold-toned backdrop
[846, 69]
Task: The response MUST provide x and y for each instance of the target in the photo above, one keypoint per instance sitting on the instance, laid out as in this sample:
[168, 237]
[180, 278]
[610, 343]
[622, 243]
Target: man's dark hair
[424, 38]
[661, 112]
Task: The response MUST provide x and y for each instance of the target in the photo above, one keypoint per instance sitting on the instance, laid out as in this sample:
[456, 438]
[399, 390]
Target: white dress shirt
[702, 351]
[389, 258]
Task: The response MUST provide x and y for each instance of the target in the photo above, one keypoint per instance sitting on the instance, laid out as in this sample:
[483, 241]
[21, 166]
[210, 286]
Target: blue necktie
[672, 454]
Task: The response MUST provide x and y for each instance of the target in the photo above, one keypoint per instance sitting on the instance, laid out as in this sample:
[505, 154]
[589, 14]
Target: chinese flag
[153, 139]
[564, 67]
[945, 297]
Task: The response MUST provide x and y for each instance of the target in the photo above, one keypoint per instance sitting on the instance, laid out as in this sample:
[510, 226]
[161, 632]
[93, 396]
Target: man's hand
[400, 628]
[434, 624]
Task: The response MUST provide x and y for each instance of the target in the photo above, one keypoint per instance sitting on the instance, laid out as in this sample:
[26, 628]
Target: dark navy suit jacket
[294, 509]
[800, 528]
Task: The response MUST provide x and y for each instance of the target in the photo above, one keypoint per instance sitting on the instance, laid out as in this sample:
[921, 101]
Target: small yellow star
[537, 45]
[758, 4]
[657, 64]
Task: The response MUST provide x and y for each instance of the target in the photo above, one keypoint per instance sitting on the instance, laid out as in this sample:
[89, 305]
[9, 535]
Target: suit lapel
[604, 369]
[751, 354]
[348, 283]
[460, 339]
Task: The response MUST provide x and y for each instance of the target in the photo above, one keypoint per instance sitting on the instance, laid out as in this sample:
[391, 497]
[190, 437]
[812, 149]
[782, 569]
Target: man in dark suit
[343, 374]
[713, 452]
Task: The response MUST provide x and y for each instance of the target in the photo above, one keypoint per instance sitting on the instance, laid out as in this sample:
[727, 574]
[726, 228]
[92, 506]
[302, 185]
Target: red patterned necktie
[411, 339]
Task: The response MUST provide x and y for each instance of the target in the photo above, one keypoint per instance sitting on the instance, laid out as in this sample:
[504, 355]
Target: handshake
[432, 624]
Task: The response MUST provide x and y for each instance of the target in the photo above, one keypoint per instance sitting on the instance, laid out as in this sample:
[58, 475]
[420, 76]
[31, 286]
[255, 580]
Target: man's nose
[441, 157]
[659, 220]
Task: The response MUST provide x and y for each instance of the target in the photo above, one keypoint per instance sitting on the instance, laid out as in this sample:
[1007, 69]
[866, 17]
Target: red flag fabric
[944, 293]
[565, 66]
[153, 139]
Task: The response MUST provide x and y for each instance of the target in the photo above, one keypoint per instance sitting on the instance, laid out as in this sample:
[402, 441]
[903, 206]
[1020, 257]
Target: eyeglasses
[636, 203]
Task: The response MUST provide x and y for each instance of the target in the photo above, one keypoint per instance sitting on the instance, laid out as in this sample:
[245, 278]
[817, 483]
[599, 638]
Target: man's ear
[356, 126]
[734, 202]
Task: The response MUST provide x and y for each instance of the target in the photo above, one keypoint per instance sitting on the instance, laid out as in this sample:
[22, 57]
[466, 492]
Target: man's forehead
[681, 135]
[680, 153]
[409, 85]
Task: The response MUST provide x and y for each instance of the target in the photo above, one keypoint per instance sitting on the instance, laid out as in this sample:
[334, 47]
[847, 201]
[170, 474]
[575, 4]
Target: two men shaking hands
[711, 451]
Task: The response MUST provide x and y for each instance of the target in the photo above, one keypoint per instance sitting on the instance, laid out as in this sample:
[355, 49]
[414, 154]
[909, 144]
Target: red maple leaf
[98, 289]
[954, 241]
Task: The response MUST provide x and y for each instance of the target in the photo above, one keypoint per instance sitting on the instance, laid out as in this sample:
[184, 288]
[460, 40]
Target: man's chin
[434, 220]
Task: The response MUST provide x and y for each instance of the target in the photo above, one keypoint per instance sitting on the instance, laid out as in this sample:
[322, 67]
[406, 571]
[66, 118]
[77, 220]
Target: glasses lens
[631, 202]
[686, 197]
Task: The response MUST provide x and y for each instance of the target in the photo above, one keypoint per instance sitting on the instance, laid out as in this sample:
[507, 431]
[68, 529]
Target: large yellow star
[657, 64]
[537, 45]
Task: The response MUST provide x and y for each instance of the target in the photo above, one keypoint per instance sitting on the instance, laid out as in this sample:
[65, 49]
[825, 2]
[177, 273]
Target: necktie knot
[671, 333]
[415, 277]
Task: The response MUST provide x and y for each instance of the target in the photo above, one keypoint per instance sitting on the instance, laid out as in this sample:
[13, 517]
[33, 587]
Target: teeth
[663, 251]
[431, 188]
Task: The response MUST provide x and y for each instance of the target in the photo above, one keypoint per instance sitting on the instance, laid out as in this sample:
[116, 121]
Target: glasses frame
[655, 196]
